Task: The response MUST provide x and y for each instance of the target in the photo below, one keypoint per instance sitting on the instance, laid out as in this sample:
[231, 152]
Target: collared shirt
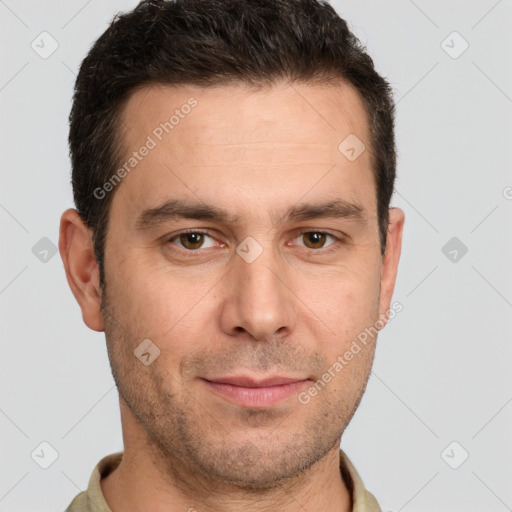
[92, 500]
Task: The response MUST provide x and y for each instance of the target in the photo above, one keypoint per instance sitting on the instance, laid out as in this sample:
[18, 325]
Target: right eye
[191, 240]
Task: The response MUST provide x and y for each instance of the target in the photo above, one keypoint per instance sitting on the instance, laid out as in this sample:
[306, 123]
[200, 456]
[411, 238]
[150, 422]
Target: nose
[259, 303]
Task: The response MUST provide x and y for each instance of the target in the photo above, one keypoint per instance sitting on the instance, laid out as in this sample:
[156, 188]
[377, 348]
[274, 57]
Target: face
[244, 245]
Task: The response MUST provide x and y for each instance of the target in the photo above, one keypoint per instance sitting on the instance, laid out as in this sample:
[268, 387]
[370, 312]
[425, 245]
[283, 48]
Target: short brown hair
[207, 42]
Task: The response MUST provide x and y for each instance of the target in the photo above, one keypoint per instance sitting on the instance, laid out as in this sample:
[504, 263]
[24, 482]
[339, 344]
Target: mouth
[253, 393]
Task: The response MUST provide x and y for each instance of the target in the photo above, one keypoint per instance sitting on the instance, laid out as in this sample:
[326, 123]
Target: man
[233, 164]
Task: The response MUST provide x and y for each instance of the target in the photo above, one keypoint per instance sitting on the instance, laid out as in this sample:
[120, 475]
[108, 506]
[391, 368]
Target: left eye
[315, 239]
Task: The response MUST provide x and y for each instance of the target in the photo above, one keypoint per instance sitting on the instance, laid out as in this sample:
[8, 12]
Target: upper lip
[251, 382]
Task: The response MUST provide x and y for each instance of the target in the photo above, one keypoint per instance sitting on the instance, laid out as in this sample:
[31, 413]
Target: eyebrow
[179, 209]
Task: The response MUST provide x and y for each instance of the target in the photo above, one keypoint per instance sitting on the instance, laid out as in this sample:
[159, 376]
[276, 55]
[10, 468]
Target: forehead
[267, 143]
[255, 113]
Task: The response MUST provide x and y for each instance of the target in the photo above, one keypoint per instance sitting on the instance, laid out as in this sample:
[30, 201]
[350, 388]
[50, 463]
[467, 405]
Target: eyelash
[333, 246]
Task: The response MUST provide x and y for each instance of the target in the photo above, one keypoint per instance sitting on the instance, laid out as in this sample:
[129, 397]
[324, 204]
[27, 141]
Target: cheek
[143, 290]
[162, 305]
[345, 306]
[350, 295]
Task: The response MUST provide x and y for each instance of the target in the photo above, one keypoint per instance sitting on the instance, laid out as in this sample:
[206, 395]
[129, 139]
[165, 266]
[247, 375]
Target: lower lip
[256, 397]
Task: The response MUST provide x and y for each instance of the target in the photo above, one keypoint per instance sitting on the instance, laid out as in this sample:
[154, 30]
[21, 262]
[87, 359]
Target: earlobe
[391, 258]
[82, 272]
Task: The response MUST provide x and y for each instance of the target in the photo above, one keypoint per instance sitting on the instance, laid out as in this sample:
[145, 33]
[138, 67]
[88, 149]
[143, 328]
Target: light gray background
[442, 370]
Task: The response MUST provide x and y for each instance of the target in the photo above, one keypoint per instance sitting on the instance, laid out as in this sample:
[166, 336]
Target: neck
[146, 480]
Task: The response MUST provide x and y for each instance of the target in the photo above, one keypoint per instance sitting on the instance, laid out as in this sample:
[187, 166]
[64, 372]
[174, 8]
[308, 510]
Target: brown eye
[314, 239]
[194, 240]
[191, 240]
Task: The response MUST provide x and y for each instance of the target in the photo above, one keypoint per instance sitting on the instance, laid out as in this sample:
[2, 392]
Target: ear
[82, 272]
[390, 259]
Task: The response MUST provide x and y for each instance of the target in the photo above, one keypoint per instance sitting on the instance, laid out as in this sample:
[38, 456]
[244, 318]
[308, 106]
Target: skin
[292, 311]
